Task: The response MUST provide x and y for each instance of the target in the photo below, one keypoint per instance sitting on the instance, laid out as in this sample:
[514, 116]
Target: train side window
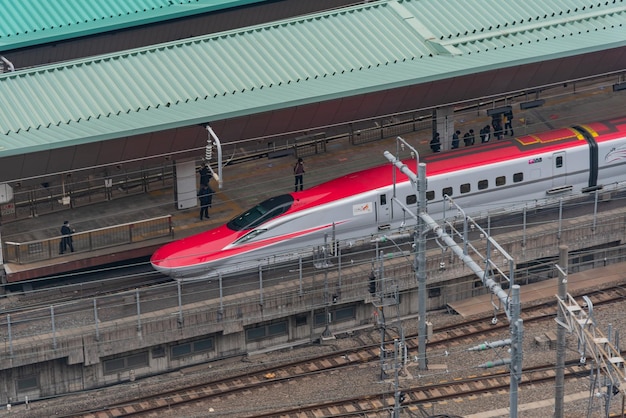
[559, 161]
[383, 199]
[500, 180]
[411, 199]
[483, 184]
[430, 195]
[446, 191]
[518, 177]
[466, 188]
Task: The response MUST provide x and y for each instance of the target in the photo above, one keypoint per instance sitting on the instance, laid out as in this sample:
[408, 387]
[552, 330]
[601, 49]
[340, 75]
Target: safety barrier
[85, 241]
[310, 144]
[44, 198]
[390, 128]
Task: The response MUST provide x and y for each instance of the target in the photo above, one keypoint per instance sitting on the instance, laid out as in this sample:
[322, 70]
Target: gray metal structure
[605, 353]
[509, 301]
[561, 343]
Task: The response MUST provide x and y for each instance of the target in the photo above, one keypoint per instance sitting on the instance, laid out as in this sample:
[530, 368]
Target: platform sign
[7, 209]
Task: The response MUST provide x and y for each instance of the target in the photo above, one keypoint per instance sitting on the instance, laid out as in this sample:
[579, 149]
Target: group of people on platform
[502, 125]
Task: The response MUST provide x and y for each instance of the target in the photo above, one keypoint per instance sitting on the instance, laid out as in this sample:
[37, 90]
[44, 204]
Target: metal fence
[95, 239]
[390, 128]
[73, 191]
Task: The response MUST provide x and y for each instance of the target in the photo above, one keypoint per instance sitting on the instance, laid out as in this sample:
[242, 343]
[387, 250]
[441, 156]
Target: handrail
[91, 240]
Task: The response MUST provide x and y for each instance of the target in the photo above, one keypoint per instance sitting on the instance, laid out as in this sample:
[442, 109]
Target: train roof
[607, 130]
[525, 146]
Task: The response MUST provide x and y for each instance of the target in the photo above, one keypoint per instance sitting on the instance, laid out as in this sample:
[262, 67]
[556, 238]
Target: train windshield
[262, 212]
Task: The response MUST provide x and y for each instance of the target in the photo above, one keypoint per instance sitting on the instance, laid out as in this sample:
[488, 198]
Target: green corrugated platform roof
[360, 49]
[32, 22]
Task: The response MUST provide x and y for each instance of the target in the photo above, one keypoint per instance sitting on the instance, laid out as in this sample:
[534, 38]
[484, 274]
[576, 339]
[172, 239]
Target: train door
[559, 170]
[383, 211]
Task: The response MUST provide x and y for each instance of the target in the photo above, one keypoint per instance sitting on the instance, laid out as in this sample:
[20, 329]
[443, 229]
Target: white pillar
[186, 184]
[444, 124]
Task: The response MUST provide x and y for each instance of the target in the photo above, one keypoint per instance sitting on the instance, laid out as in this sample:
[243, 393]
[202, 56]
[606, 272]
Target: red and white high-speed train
[506, 175]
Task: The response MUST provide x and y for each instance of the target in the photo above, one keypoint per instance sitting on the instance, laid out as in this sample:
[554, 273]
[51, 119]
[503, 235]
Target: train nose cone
[161, 269]
[160, 261]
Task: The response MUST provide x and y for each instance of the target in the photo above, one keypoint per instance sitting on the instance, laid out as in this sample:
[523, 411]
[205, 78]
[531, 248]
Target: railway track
[413, 397]
[83, 285]
[368, 354]
[429, 394]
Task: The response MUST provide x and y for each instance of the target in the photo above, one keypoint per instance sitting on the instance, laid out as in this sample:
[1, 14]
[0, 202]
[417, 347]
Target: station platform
[247, 183]
[546, 289]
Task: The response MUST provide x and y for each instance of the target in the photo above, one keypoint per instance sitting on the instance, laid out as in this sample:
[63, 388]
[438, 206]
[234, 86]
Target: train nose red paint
[192, 255]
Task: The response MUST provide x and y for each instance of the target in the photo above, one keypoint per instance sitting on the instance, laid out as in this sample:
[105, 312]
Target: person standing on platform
[298, 172]
[435, 143]
[455, 139]
[497, 127]
[468, 138]
[205, 195]
[66, 240]
[508, 123]
[485, 134]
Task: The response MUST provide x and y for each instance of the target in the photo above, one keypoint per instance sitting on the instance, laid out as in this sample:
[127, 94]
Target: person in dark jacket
[497, 127]
[455, 139]
[66, 240]
[485, 134]
[435, 143]
[205, 195]
[472, 137]
[205, 174]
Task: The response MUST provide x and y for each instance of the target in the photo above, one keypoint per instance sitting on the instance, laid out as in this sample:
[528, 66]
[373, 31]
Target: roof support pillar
[443, 122]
